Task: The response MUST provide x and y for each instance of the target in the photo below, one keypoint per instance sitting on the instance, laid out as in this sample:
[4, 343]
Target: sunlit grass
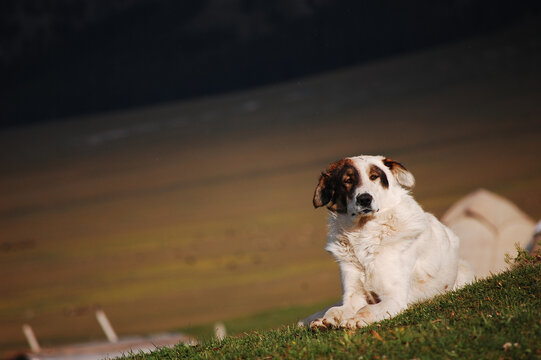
[497, 318]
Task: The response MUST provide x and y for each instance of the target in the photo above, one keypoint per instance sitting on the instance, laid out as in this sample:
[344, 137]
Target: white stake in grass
[31, 338]
[219, 331]
[106, 326]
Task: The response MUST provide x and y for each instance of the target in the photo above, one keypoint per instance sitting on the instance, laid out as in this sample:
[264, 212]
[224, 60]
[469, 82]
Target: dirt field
[200, 211]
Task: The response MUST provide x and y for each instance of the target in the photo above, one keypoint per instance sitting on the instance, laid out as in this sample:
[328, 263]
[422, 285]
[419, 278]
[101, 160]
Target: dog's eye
[373, 177]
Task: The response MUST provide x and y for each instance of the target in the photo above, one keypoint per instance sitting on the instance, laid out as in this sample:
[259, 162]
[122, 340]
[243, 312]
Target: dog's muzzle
[364, 202]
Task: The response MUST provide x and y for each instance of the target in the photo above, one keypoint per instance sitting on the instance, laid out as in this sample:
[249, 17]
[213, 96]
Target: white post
[31, 338]
[219, 331]
[106, 326]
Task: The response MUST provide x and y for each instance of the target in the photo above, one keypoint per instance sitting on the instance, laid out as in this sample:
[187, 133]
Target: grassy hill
[496, 318]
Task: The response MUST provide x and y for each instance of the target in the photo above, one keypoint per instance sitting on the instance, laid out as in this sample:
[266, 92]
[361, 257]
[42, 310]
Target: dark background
[62, 58]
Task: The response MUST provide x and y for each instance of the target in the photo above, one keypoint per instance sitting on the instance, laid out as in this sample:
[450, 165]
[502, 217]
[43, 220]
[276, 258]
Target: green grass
[269, 319]
[496, 318]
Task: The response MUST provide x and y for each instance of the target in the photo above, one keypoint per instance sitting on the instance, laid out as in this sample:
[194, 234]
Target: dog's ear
[400, 173]
[331, 190]
[324, 190]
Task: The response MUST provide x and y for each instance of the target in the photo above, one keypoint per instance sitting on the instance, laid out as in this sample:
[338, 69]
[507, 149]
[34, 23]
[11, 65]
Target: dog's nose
[364, 199]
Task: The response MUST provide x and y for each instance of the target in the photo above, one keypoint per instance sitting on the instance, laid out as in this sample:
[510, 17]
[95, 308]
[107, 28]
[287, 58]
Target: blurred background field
[179, 214]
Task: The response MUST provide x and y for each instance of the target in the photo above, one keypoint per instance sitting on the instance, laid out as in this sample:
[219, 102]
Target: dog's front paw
[318, 324]
[324, 323]
[330, 320]
[359, 320]
[353, 323]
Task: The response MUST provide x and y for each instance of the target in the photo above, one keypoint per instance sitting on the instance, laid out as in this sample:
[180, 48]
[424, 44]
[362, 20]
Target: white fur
[398, 252]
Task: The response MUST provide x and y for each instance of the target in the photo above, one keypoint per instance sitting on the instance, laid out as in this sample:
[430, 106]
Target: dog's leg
[308, 320]
[392, 286]
[385, 309]
[353, 299]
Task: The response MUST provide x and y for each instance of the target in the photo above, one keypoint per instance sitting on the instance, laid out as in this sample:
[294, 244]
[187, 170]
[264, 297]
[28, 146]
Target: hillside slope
[497, 318]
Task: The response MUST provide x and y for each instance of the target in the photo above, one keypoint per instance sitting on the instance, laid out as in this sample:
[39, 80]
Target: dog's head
[362, 185]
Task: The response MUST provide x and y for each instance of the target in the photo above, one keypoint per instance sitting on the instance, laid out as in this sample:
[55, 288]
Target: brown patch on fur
[366, 316]
[394, 166]
[380, 174]
[391, 164]
[446, 287]
[336, 185]
[400, 173]
[364, 219]
[372, 298]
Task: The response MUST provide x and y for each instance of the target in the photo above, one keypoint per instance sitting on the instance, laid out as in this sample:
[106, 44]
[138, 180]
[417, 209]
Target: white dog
[391, 253]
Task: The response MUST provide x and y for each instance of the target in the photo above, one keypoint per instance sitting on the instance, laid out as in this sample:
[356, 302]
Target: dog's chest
[357, 250]
[360, 247]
